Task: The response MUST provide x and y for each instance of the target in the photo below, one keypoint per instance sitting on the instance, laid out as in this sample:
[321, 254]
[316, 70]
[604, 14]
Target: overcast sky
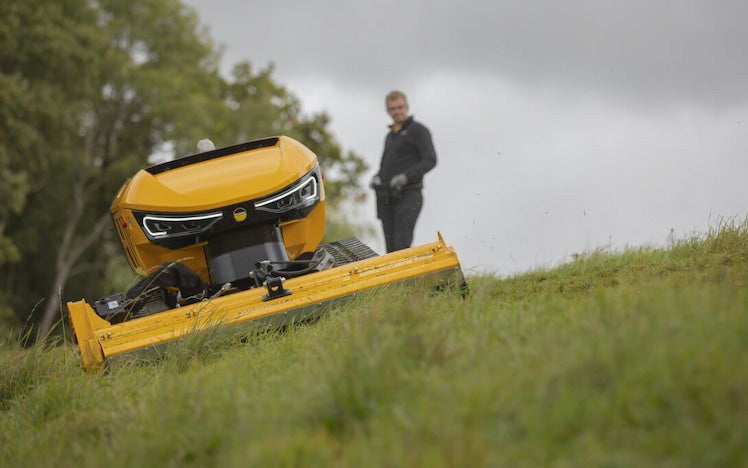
[560, 127]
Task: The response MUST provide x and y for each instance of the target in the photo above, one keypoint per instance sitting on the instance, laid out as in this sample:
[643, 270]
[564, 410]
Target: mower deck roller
[435, 263]
[242, 227]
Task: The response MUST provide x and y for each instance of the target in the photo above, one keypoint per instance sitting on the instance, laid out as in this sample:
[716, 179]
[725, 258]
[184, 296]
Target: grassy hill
[633, 359]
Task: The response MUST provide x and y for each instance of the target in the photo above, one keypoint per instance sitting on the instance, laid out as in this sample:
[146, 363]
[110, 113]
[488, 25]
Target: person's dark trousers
[399, 215]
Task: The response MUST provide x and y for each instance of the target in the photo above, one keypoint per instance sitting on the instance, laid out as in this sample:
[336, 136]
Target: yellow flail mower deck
[294, 300]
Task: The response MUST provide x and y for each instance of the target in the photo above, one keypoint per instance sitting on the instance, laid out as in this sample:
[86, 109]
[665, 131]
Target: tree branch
[88, 240]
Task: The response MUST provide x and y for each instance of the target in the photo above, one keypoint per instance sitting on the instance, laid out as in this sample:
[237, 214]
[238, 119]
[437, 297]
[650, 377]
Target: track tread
[349, 251]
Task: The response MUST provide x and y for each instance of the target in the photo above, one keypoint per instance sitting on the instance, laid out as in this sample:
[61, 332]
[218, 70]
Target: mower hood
[217, 178]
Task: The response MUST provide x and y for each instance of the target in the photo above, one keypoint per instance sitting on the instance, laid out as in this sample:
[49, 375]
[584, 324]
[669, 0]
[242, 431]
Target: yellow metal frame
[99, 340]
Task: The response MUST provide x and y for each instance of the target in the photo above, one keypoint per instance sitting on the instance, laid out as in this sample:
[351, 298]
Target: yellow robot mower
[232, 236]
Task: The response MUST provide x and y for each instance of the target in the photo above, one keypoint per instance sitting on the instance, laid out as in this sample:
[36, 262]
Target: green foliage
[45, 50]
[632, 359]
[42, 51]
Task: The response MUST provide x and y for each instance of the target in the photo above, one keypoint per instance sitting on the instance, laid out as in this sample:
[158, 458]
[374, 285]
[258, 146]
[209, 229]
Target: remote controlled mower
[232, 236]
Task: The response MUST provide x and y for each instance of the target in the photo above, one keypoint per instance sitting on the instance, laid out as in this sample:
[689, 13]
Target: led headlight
[301, 195]
[165, 226]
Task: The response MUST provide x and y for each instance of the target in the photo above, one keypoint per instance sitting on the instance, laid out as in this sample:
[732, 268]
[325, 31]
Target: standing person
[408, 155]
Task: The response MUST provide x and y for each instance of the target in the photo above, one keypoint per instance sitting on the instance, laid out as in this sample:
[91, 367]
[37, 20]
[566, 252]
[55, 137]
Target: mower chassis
[98, 339]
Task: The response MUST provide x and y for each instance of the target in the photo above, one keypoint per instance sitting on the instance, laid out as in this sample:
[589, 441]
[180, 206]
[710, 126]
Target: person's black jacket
[409, 151]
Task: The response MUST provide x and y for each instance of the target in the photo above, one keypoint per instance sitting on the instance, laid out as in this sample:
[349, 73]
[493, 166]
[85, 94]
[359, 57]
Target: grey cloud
[646, 52]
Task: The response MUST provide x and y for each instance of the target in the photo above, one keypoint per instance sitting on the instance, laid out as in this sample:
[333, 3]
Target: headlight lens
[301, 195]
[161, 227]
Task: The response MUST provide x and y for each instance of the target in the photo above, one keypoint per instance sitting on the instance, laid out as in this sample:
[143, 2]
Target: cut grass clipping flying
[624, 359]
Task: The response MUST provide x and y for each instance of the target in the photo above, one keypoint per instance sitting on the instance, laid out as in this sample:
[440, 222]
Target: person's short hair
[395, 95]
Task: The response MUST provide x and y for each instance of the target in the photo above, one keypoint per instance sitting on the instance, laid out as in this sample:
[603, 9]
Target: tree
[42, 50]
[155, 62]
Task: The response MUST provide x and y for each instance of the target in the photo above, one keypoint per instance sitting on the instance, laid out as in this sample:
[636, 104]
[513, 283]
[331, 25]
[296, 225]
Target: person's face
[398, 110]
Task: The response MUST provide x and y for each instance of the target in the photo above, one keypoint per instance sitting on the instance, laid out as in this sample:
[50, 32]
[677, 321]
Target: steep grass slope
[633, 359]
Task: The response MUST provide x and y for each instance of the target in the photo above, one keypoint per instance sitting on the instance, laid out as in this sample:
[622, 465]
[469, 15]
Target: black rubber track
[348, 251]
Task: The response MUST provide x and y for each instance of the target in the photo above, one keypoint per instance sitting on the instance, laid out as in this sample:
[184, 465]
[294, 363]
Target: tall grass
[632, 359]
